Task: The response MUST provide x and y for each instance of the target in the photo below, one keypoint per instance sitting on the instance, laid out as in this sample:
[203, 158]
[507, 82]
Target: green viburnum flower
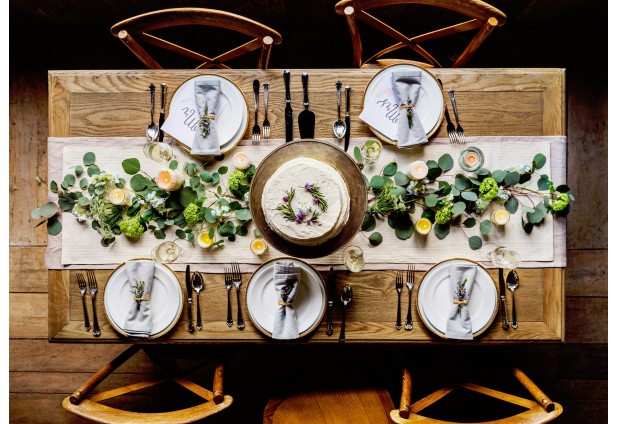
[488, 188]
[190, 213]
[443, 216]
[561, 202]
[238, 183]
[131, 227]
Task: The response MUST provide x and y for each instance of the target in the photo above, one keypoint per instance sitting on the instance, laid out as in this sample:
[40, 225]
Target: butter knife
[347, 118]
[162, 113]
[189, 297]
[502, 287]
[332, 287]
[289, 119]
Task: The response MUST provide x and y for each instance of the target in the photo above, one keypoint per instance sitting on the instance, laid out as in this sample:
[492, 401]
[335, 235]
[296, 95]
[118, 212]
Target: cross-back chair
[485, 18]
[90, 407]
[138, 30]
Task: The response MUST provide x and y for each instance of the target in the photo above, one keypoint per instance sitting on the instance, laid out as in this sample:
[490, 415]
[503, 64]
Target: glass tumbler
[353, 258]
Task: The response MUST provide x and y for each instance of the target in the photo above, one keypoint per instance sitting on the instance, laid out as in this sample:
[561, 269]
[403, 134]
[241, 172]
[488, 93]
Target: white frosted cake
[306, 202]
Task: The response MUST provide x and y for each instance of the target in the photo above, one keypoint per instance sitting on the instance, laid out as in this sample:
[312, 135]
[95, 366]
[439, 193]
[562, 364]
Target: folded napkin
[206, 140]
[407, 85]
[458, 324]
[139, 319]
[287, 277]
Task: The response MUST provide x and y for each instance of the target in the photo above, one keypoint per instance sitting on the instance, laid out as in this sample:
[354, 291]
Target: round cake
[306, 202]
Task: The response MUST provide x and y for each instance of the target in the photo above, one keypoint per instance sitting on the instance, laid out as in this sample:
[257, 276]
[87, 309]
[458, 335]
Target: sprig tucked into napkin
[206, 139]
[458, 324]
[407, 85]
[286, 279]
[140, 274]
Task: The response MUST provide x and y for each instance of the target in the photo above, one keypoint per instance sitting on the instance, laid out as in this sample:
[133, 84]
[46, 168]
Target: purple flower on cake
[307, 186]
[300, 215]
[309, 221]
[315, 200]
[285, 198]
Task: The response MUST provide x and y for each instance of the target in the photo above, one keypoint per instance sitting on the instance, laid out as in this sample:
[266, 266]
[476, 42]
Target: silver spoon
[339, 126]
[346, 297]
[198, 284]
[512, 281]
[152, 130]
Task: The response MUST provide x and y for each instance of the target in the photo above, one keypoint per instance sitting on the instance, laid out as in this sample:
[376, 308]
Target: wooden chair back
[88, 407]
[135, 31]
[541, 410]
[485, 18]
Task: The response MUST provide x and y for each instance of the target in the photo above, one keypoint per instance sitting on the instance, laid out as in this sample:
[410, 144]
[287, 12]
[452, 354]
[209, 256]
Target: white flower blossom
[80, 217]
[503, 194]
[154, 200]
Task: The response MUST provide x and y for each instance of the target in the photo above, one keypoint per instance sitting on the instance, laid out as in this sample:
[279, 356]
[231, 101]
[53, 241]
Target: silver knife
[189, 297]
[289, 119]
[502, 287]
[347, 119]
[162, 113]
[332, 288]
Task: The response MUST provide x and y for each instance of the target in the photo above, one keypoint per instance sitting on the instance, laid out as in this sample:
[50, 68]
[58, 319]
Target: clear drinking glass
[353, 258]
[503, 257]
[371, 151]
[171, 251]
[158, 151]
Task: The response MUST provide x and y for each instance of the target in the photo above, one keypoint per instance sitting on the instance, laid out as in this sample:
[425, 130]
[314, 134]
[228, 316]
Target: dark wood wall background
[72, 34]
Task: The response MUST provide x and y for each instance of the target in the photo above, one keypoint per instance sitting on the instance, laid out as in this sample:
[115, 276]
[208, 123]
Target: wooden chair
[135, 31]
[485, 18]
[541, 410]
[90, 408]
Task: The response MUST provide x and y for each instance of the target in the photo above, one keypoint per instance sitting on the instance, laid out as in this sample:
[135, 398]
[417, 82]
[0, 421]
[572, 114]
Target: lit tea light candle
[471, 159]
[423, 226]
[241, 161]
[204, 240]
[119, 196]
[500, 217]
[170, 180]
[258, 246]
[418, 170]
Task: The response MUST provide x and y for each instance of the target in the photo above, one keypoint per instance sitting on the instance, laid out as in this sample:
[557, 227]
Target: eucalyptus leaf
[431, 200]
[243, 214]
[89, 159]
[187, 196]
[432, 164]
[511, 178]
[206, 176]
[539, 161]
[482, 172]
[131, 166]
[527, 226]
[543, 182]
[242, 230]
[53, 187]
[469, 223]
[222, 170]
[169, 221]
[69, 181]
[173, 164]
[390, 169]
[369, 222]
[445, 162]
[235, 205]
[83, 183]
[106, 242]
[524, 178]
[376, 182]
[469, 196]
[475, 181]
[36, 213]
[398, 191]
[458, 208]
[401, 179]
[180, 234]
[257, 233]
[357, 155]
[375, 239]
[48, 210]
[99, 190]
[159, 234]
[538, 215]
[79, 170]
[527, 209]
[455, 191]
[461, 182]
[227, 230]
[442, 230]
[498, 175]
[190, 168]
[563, 189]
[511, 205]
[93, 170]
[194, 182]
[138, 182]
[434, 173]
[215, 178]
[486, 226]
[209, 217]
[54, 226]
[475, 242]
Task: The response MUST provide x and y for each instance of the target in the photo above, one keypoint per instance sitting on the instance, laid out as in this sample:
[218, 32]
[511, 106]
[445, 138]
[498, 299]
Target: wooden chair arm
[536, 393]
[406, 394]
[217, 385]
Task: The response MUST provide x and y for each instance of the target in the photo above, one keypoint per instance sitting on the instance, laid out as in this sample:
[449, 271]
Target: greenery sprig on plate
[459, 201]
[203, 204]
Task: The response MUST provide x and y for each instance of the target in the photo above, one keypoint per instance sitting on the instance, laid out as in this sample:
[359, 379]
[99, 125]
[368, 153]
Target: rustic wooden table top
[497, 102]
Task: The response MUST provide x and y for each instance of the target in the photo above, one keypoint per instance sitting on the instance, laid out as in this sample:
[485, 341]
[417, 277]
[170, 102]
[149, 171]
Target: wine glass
[171, 251]
[503, 257]
[159, 152]
[353, 258]
[371, 151]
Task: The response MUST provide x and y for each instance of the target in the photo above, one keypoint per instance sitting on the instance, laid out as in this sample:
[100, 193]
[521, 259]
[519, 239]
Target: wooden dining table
[497, 102]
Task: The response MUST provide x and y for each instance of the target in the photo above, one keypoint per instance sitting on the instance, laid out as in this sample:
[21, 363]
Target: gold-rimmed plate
[429, 106]
[232, 116]
[435, 296]
[330, 155]
[309, 303]
[165, 299]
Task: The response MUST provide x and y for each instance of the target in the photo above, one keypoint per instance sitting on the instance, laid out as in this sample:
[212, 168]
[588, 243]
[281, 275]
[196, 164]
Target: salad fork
[410, 285]
[92, 286]
[450, 128]
[461, 138]
[82, 289]
[399, 287]
[256, 133]
[237, 280]
[266, 123]
[228, 286]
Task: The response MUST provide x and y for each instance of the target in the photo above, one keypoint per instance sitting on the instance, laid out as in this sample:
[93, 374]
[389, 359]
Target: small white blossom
[80, 217]
[503, 194]
[524, 169]
[154, 200]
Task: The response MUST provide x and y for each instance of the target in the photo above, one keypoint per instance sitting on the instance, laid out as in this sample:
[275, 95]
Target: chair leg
[406, 394]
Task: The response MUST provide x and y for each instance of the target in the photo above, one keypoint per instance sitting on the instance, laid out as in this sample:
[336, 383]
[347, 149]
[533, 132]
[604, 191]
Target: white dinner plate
[429, 106]
[435, 298]
[231, 121]
[310, 301]
[165, 299]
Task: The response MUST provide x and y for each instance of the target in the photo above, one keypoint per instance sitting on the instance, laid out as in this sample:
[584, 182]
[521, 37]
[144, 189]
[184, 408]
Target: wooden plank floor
[575, 373]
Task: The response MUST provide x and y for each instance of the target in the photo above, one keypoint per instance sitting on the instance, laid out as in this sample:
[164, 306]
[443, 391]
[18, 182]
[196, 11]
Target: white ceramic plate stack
[435, 298]
[310, 301]
[429, 107]
[165, 299]
[231, 121]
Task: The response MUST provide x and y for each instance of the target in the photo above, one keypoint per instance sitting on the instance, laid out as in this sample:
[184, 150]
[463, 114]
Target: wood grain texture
[28, 271]
[586, 275]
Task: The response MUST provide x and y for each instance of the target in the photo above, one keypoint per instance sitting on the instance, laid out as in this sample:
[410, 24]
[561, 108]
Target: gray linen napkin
[139, 318]
[287, 277]
[407, 85]
[206, 94]
[458, 324]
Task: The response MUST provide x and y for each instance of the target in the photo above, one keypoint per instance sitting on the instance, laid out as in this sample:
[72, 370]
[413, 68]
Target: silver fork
[266, 123]
[399, 287]
[228, 286]
[450, 128]
[92, 286]
[237, 280]
[256, 133]
[410, 285]
[461, 138]
[82, 289]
